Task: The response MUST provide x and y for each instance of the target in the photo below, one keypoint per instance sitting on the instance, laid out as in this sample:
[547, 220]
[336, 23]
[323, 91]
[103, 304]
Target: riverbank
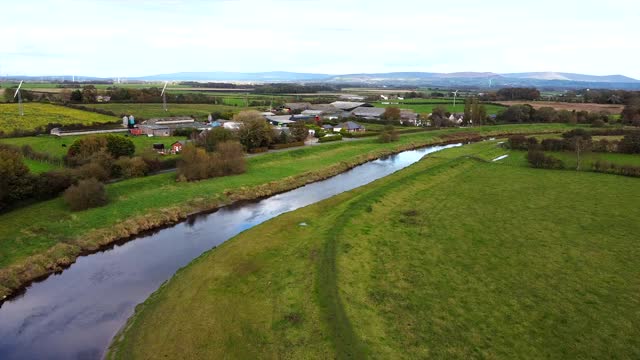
[44, 238]
[450, 257]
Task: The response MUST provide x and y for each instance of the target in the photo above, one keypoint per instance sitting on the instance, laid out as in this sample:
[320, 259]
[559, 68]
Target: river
[75, 314]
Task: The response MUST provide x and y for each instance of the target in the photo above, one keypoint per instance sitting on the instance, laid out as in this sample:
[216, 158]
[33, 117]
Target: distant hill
[571, 77]
[557, 80]
[272, 76]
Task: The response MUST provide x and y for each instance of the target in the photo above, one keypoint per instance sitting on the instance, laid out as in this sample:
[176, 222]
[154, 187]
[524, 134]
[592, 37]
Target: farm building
[349, 126]
[167, 126]
[368, 112]
[409, 117]
[297, 107]
[280, 120]
[177, 146]
[351, 97]
[349, 105]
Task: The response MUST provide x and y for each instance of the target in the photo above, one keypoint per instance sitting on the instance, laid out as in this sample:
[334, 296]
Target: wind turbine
[20, 108]
[455, 95]
[164, 96]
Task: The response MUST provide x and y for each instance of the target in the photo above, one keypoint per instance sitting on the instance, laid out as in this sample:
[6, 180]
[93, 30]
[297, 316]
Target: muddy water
[75, 314]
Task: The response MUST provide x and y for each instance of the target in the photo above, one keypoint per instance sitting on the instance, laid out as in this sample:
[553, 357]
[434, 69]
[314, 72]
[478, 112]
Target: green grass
[38, 167]
[31, 230]
[451, 258]
[428, 108]
[200, 111]
[54, 144]
[39, 115]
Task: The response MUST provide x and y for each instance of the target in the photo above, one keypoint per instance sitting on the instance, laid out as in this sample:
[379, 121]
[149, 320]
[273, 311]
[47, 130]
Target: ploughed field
[453, 257]
[610, 108]
[40, 115]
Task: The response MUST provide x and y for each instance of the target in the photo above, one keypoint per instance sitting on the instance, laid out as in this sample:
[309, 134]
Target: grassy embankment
[41, 238]
[453, 257]
[39, 115]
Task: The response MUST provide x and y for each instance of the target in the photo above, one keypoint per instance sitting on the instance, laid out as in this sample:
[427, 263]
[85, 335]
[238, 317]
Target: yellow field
[39, 115]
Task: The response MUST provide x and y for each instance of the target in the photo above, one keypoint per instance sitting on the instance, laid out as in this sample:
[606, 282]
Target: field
[147, 111]
[39, 115]
[453, 257]
[612, 109]
[38, 167]
[428, 108]
[58, 146]
[155, 200]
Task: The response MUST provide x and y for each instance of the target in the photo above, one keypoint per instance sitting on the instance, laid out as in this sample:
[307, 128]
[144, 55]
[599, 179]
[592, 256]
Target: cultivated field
[612, 109]
[39, 115]
[428, 108]
[147, 111]
[454, 257]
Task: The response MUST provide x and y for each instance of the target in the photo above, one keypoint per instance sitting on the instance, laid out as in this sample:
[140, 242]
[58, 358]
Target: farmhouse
[409, 117]
[349, 105]
[368, 112]
[349, 126]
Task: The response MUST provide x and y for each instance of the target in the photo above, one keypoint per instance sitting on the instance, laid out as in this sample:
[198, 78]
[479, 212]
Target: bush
[630, 144]
[330, 138]
[197, 164]
[553, 144]
[231, 158]
[538, 159]
[598, 123]
[287, 145]
[388, 134]
[86, 194]
[517, 142]
[131, 167]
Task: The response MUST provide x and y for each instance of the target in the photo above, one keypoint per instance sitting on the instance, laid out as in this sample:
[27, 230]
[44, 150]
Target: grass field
[519, 158]
[38, 167]
[199, 111]
[611, 108]
[58, 146]
[135, 203]
[453, 257]
[428, 108]
[37, 114]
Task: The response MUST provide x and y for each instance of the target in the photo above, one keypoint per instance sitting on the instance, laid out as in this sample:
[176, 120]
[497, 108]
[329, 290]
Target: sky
[126, 38]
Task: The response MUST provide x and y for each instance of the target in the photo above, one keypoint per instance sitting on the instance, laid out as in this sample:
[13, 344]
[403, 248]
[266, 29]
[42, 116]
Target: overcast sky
[144, 37]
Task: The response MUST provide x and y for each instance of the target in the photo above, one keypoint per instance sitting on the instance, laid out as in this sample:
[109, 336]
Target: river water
[75, 314]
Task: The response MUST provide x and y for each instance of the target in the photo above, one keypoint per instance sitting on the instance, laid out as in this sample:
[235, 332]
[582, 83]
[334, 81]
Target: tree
[391, 113]
[482, 114]
[630, 144]
[120, 146]
[89, 93]
[254, 132]
[467, 109]
[210, 139]
[15, 179]
[388, 134]
[86, 194]
[76, 96]
[475, 111]
[545, 115]
[299, 131]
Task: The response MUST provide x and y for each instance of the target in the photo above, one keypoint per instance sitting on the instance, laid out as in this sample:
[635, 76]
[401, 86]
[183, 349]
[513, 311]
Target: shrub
[330, 138]
[86, 194]
[517, 142]
[553, 144]
[388, 134]
[630, 144]
[15, 178]
[197, 164]
[598, 123]
[231, 158]
[538, 159]
[131, 167]
[120, 146]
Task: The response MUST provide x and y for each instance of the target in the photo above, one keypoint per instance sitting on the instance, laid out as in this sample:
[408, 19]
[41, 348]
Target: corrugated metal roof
[368, 112]
[349, 125]
[347, 105]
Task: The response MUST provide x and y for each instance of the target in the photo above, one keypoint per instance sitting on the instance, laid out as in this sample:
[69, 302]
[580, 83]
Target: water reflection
[74, 314]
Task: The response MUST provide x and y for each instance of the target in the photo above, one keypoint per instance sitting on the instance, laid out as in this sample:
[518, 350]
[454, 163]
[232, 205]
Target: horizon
[122, 39]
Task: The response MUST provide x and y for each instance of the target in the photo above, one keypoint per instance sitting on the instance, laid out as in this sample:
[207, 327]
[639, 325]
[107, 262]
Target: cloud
[129, 38]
